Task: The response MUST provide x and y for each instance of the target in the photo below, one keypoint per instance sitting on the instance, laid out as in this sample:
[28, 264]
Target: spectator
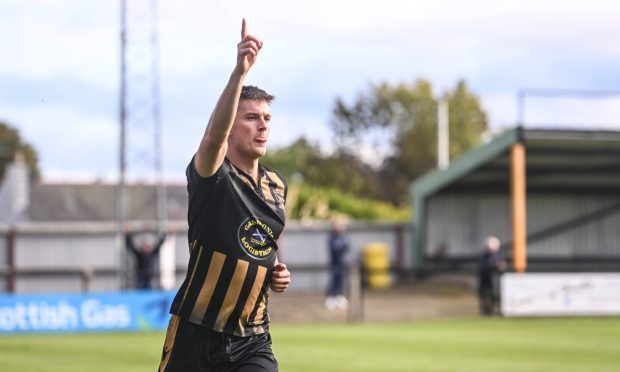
[491, 266]
[146, 252]
[338, 244]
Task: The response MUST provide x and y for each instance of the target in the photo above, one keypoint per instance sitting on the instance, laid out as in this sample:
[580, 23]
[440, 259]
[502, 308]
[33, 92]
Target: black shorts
[193, 348]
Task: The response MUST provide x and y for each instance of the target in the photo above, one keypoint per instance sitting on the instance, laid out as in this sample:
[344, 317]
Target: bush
[311, 202]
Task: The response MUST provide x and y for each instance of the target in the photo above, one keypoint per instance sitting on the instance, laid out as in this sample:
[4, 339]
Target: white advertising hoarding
[551, 294]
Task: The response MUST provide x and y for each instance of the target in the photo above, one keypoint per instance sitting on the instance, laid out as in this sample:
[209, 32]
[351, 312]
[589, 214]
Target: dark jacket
[146, 262]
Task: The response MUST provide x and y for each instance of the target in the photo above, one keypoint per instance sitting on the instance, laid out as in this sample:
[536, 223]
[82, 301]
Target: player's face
[250, 130]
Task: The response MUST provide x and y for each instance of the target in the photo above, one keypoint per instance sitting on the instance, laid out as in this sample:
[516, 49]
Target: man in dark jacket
[146, 253]
[491, 266]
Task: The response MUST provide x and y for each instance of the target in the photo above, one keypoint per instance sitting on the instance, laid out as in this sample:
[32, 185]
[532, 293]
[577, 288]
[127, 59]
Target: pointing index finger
[244, 31]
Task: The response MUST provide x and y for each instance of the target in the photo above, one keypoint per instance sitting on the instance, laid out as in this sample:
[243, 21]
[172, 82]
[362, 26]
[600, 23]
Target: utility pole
[140, 142]
[443, 134]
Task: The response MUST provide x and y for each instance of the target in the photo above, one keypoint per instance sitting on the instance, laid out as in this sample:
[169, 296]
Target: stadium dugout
[570, 199]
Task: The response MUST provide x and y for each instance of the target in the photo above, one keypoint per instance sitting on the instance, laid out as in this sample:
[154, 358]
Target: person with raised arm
[236, 214]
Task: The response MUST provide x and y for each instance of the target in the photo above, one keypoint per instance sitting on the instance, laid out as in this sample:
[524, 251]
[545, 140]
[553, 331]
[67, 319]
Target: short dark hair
[249, 92]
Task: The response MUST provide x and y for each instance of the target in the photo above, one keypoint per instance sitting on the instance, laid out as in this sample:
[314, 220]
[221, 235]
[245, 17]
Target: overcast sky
[59, 70]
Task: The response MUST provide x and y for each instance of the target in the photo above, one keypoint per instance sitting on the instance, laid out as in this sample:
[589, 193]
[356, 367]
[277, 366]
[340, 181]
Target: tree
[12, 143]
[467, 119]
[290, 161]
[333, 185]
[402, 119]
[303, 160]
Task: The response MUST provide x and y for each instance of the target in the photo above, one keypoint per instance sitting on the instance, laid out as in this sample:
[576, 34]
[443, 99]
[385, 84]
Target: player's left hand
[281, 278]
[247, 50]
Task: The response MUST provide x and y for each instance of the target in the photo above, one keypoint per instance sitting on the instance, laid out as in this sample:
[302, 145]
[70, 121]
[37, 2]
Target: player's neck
[245, 164]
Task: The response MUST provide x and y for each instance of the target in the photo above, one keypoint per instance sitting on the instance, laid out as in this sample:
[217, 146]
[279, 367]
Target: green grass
[569, 344]
[454, 345]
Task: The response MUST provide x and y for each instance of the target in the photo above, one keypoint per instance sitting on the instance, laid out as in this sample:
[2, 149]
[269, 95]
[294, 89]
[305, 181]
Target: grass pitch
[559, 344]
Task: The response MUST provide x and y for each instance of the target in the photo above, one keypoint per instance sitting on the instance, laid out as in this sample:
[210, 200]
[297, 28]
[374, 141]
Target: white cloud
[561, 111]
[573, 112]
[48, 38]
[288, 126]
[503, 108]
[314, 52]
[67, 140]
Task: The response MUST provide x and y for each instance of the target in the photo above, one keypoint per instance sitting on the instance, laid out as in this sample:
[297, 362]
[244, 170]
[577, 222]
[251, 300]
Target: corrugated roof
[97, 202]
[576, 161]
[566, 160]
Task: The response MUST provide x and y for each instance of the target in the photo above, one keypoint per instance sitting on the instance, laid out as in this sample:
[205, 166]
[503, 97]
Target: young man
[236, 214]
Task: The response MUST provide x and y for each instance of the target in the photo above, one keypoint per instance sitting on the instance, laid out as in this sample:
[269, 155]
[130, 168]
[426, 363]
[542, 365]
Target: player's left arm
[281, 277]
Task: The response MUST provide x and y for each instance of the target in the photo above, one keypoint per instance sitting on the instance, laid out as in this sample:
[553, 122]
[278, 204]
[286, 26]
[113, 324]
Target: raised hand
[247, 50]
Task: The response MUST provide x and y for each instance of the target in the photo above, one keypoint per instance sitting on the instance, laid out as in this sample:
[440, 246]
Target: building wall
[70, 257]
[461, 222]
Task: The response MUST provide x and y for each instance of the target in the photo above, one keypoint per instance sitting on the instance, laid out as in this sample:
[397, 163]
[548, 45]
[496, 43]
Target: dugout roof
[556, 160]
[573, 161]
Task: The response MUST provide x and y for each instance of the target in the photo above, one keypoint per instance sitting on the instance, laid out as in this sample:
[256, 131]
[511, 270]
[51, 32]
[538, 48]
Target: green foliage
[11, 143]
[311, 202]
[322, 187]
[467, 120]
[303, 161]
[403, 117]
[291, 161]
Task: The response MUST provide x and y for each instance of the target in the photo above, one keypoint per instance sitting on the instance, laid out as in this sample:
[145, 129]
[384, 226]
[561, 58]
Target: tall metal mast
[140, 143]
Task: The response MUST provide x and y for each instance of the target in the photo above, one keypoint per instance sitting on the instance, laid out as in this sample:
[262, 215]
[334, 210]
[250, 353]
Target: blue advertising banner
[89, 312]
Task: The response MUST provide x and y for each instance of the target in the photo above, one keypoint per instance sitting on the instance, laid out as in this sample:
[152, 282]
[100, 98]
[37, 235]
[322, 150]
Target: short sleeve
[193, 178]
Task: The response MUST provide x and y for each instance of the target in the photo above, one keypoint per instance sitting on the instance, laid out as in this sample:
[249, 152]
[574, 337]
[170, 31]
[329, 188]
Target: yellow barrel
[376, 262]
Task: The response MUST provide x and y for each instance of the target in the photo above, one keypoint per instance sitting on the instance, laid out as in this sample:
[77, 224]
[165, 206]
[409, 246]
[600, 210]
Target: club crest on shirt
[256, 238]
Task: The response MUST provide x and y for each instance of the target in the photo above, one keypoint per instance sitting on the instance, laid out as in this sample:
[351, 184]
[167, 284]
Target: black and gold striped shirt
[234, 225]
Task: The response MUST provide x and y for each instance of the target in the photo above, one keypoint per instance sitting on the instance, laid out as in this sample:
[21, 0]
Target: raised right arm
[213, 146]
